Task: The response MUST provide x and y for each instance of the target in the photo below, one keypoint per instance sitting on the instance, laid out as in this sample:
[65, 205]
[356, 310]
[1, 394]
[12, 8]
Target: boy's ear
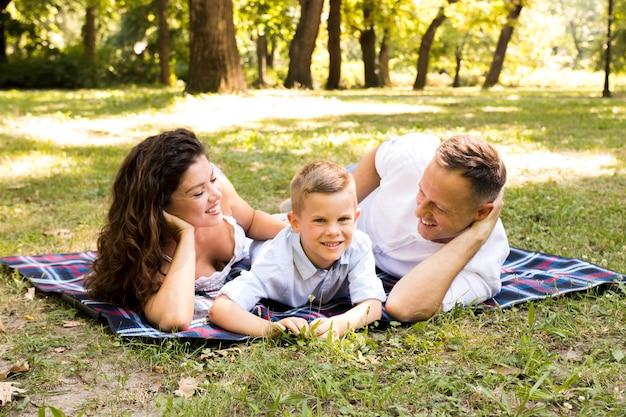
[293, 221]
[484, 211]
[357, 213]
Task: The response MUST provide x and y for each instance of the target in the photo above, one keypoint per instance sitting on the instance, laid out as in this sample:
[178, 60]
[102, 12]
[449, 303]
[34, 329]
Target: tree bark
[368, 49]
[214, 63]
[334, 45]
[606, 92]
[89, 40]
[261, 60]
[164, 43]
[424, 51]
[505, 36]
[4, 16]
[303, 44]
[383, 61]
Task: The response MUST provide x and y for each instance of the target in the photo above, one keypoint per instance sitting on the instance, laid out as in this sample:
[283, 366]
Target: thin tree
[4, 16]
[367, 40]
[505, 36]
[383, 61]
[89, 39]
[303, 44]
[606, 92]
[164, 43]
[214, 63]
[425, 46]
[334, 45]
[261, 59]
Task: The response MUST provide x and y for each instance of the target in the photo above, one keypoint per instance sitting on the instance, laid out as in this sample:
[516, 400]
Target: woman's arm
[171, 307]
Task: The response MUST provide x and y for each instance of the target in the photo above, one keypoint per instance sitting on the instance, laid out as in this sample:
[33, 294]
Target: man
[432, 212]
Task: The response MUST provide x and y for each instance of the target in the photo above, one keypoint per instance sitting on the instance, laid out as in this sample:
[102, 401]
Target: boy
[319, 257]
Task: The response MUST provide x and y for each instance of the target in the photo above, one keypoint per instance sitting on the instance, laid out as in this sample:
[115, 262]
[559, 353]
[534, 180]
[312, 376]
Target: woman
[175, 225]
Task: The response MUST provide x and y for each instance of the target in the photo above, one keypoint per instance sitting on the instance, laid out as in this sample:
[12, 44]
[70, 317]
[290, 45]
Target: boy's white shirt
[282, 272]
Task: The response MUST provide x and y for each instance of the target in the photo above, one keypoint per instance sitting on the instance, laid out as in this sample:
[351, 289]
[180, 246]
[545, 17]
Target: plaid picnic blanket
[525, 276]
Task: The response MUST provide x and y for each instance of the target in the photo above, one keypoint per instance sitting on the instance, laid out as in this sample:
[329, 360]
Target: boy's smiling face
[326, 223]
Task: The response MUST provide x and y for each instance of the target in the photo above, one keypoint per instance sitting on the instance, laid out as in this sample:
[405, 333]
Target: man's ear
[484, 211]
[293, 221]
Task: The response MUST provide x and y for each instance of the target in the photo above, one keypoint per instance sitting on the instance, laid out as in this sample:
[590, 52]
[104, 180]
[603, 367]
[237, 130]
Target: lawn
[566, 195]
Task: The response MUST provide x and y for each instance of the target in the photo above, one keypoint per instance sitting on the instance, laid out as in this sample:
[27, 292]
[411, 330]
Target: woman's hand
[176, 225]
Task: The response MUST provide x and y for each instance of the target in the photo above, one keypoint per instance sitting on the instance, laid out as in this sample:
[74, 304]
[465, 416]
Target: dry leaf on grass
[30, 293]
[14, 369]
[7, 390]
[72, 323]
[2, 326]
[186, 387]
[58, 232]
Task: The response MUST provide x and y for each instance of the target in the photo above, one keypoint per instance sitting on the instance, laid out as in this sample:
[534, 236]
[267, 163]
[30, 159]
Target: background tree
[424, 50]
[334, 45]
[214, 63]
[164, 42]
[303, 44]
[515, 9]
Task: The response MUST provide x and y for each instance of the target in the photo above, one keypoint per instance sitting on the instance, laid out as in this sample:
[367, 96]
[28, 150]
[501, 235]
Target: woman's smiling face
[198, 196]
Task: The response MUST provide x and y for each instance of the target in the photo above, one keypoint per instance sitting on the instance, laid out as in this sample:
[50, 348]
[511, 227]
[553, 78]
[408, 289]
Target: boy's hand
[320, 327]
[295, 325]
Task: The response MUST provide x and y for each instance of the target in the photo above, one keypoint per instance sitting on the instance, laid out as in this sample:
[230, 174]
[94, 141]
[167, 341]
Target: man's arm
[418, 295]
[366, 177]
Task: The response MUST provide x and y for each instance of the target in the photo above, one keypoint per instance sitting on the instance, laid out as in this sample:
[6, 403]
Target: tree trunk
[4, 16]
[270, 52]
[334, 45]
[458, 59]
[424, 51]
[214, 63]
[606, 92]
[505, 36]
[164, 43]
[303, 44]
[89, 40]
[368, 49]
[383, 61]
[261, 60]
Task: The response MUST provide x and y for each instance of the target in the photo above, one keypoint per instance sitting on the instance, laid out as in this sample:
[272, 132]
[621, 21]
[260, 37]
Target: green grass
[565, 195]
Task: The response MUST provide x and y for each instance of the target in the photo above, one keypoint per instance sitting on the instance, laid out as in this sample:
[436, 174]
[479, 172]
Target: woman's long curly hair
[130, 245]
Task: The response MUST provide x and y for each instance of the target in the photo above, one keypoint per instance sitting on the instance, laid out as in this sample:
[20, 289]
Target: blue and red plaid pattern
[526, 276]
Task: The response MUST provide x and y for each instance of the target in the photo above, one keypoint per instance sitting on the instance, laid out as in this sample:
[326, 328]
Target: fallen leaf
[30, 293]
[16, 187]
[506, 370]
[14, 369]
[60, 349]
[2, 326]
[72, 323]
[156, 385]
[28, 317]
[7, 390]
[186, 387]
[58, 232]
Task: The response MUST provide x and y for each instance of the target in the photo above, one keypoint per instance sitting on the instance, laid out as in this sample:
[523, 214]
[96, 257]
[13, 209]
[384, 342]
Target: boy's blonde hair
[319, 177]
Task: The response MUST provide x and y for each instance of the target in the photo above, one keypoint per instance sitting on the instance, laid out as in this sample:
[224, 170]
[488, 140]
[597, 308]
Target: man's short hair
[478, 161]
